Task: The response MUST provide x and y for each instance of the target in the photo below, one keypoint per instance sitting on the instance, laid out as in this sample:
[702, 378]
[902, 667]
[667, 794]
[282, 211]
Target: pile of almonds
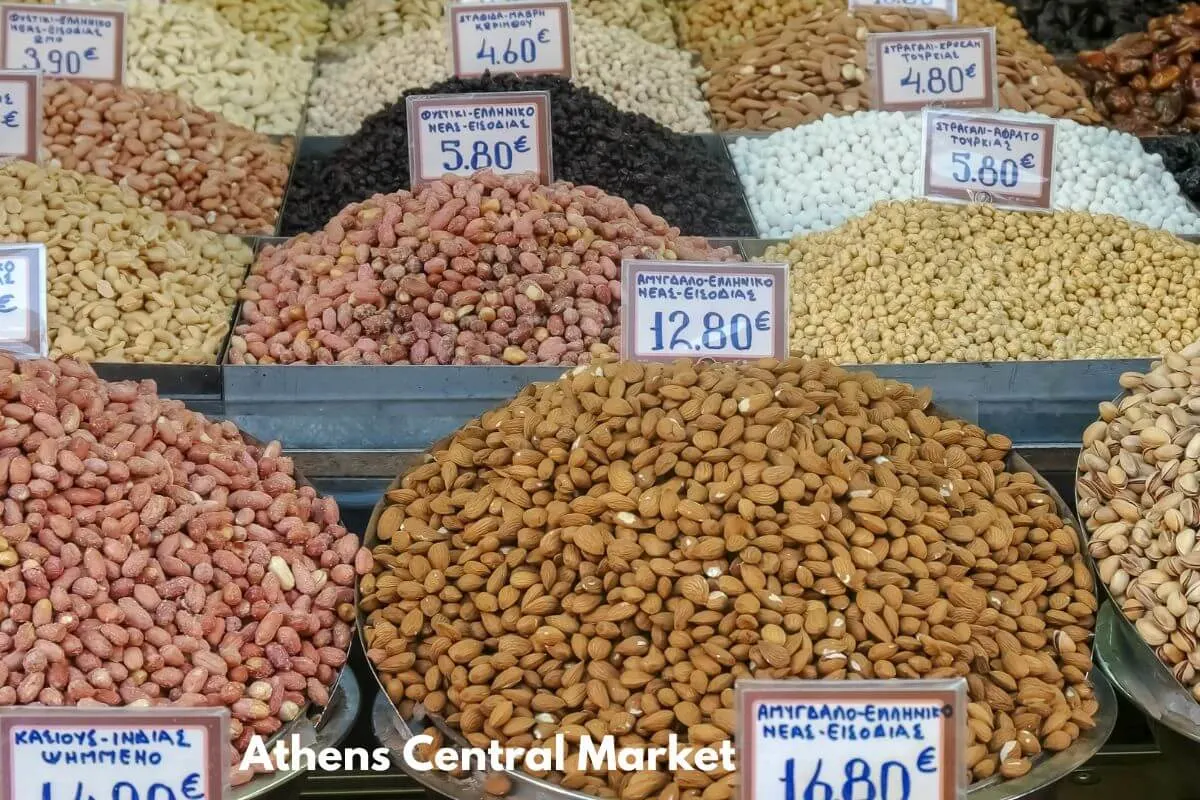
[609, 553]
[151, 557]
[816, 65]
[182, 159]
[1139, 492]
[473, 270]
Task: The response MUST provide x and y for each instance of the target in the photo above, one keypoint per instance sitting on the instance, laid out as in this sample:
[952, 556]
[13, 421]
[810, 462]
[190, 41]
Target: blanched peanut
[126, 283]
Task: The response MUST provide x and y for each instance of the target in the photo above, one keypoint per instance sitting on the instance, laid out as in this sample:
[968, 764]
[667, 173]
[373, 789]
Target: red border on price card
[32, 81]
[540, 100]
[559, 7]
[117, 73]
[1042, 200]
[987, 62]
[632, 268]
[944, 693]
[212, 724]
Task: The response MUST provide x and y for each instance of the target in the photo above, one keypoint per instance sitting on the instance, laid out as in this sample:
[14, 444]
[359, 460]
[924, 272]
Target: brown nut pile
[715, 28]
[478, 270]
[1146, 83]
[609, 553]
[126, 283]
[1139, 492]
[149, 556]
[187, 161]
[816, 65]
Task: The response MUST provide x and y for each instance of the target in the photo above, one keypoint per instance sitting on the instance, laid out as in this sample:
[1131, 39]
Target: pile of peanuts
[816, 65]
[610, 553]
[292, 27]
[125, 282]
[150, 557]
[474, 270]
[1139, 494]
[921, 281]
[184, 160]
[633, 74]
[192, 51]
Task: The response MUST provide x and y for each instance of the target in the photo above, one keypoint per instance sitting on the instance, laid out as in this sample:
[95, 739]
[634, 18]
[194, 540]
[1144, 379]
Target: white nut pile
[633, 74]
[816, 176]
[195, 53]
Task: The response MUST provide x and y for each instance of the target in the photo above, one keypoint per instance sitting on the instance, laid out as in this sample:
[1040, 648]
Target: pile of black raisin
[687, 180]
[1066, 26]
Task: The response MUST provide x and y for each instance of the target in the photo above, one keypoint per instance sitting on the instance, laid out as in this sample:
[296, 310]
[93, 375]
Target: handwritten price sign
[64, 42]
[912, 70]
[697, 309]
[519, 37]
[947, 7]
[113, 754]
[980, 158]
[890, 740]
[460, 134]
[20, 115]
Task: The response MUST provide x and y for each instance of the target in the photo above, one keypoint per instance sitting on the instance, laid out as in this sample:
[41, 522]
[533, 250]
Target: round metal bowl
[331, 726]
[393, 732]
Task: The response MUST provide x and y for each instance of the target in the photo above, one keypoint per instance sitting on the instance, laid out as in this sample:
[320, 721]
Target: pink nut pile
[149, 556]
[478, 270]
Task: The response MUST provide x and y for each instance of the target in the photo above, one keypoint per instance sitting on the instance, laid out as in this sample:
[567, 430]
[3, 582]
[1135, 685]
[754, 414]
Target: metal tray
[393, 731]
[331, 728]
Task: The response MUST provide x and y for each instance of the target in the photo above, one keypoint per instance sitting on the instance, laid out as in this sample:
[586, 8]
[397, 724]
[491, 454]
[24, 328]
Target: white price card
[460, 134]
[69, 42]
[114, 754]
[981, 158]
[20, 114]
[947, 7]
[524, 38]
[23, 302]
[945, 69]
[703, 309]
[811, 740]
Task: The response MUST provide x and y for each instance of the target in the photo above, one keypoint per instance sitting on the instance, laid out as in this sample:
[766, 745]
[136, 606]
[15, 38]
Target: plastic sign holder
[912, 70]
[20, 114]
[816, 740]
[461, 134]
[23, 282]
[703, 309]
[105, 753]
[67, 42]
[521, 37]
[982, 158]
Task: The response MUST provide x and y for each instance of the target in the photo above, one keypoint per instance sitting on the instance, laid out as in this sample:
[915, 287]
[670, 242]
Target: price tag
[20, 115]
[460, 134]
[64, 42]
[947, 69]
[520, 37]
[106, 754]
[23, 302]
[703, 309]
[810, 740]
[947, 7]
[979, 158]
